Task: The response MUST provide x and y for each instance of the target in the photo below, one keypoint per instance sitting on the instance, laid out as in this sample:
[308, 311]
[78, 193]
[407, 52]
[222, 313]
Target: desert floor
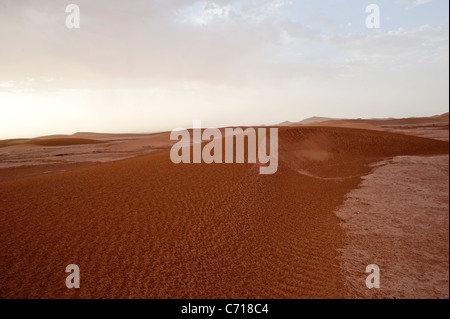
[139, 226]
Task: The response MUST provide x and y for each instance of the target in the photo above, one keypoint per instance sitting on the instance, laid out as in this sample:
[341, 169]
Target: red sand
[435, 127]
[147, 228]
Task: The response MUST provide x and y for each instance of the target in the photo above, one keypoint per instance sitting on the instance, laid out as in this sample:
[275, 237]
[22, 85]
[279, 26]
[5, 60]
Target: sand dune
[436, 127]
[348, 124]
[156, 141]
[26, 157]
[308, 121]
[63, 141]
[47, 141]
[339, 122]
[147, 228]
[442, 118]
[337, 152]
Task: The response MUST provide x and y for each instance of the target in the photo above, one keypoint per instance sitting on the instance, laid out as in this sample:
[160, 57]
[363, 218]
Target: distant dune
[348, 124]
[316, 120]
[63, 141]
[436, 127]
[48, 141]
[443, 118]
[328, 121]
[308, 121]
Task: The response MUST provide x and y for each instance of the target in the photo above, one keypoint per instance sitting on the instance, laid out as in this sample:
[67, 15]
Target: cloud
[394, 43]
[154, 64]
[420, 2]
[175, 43]
[413, 3]
[141, 43]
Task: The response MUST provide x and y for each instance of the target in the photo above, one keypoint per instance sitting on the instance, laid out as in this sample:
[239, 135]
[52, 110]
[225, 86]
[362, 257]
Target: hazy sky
[145, 66]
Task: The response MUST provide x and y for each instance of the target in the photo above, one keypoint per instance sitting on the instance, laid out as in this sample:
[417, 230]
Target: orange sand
[147, 228]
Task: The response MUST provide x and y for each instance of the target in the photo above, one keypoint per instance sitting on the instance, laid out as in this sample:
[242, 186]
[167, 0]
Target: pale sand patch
[110, 149]
[399, 220]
